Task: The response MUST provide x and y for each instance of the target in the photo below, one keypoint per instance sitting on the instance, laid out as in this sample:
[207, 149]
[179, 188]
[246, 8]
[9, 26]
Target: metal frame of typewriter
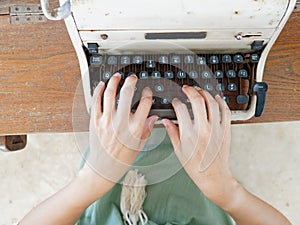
[231, 26]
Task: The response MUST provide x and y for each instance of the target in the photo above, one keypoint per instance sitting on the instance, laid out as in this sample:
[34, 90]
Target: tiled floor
[265, 158]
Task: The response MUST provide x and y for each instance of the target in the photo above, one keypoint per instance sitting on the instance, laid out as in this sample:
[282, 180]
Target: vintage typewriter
[220, 46]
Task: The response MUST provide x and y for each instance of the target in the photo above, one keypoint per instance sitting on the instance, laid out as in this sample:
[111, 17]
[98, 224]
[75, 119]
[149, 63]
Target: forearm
[246, 209]
[66, 206]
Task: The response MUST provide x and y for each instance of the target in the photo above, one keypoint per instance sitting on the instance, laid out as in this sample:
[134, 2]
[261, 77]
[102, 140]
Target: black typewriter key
[231, 87]
[112, 60]
[163, 59]
[208, 87]
[131, 73]
[201, 60]
[93, 47]
[242, 99]
[106, 75]
[196, 85]
[220, 87]
[226, 99]
[188, 59]
[226, 59]
[164, 101]
[137, 59]
[181, 74]
[193, 74]
[231, 74]
[186, 101]
[238, 58]
[155, 74]
[218, 74]
[122, 74]
[159, 88]
[96, 59]
[125, 60]
[154, 101]
[143, 75]
[254, 58]
[243, 73]
[206, 74]
[214, 59]
[150, 64]
[169, 74]
[175, 59]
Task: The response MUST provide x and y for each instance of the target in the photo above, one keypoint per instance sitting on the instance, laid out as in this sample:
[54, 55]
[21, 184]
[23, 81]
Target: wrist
[232, 192]
[223, 192]
[92, 183]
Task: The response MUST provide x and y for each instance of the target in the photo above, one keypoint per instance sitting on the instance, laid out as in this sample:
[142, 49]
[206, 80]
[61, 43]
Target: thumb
[172, 132]
[149, 124]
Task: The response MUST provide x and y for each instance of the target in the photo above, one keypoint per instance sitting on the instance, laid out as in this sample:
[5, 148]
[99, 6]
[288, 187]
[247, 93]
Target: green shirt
[173, 201]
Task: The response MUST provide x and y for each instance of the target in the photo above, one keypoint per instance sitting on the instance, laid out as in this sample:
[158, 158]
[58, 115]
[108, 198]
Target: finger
[183, 116]
[96, 111]
[109, 100]
[149, 124]
[224, 109]
[173, 132]
[145, 104]
[126, 95]
[212, 107]
[198, 103]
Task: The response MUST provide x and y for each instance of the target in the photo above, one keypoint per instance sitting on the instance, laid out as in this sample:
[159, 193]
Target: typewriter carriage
[230, 27]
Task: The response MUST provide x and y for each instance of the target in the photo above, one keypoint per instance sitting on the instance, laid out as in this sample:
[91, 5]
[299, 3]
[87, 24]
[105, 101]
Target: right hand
[202, 145]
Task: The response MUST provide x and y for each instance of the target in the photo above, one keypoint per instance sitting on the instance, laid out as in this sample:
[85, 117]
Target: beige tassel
[132, 198]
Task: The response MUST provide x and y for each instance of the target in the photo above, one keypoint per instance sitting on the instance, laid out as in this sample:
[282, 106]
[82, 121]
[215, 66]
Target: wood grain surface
[40, 77]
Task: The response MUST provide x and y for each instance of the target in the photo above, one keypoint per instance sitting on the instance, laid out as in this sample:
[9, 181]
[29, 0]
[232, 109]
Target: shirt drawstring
[132, 198]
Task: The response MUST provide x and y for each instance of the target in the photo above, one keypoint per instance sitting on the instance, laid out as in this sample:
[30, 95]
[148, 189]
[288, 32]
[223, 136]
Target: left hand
[117, 135]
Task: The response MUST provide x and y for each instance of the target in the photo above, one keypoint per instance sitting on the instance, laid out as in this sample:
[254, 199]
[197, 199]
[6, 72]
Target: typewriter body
[218, 45]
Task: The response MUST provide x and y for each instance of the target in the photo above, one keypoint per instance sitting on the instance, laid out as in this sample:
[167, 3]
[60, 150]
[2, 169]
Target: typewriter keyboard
[229, 75]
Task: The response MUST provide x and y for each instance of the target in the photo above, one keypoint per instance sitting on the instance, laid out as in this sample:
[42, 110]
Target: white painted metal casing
[230, 26]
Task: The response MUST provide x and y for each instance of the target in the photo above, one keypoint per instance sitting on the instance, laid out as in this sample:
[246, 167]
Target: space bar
[165, 113]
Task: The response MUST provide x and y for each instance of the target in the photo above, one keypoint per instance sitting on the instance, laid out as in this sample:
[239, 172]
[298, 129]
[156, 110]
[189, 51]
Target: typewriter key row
[230, 75]
[174, 59]
[193, 74]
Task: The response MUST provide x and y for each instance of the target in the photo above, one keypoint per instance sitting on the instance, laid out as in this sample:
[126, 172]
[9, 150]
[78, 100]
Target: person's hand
[116, 134]
[202, 145]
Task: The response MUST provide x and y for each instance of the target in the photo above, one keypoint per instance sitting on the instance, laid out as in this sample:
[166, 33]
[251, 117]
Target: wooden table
[39, 75]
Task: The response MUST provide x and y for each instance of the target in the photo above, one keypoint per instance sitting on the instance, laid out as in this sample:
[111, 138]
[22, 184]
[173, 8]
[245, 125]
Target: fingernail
[133, 75]
[117, 75]
[197, 88]
[184, 86]
[217, 96]
[156, 118]
[101, 83]
[147, 92]
[165, 123]
[153, 120]
[175, 99]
